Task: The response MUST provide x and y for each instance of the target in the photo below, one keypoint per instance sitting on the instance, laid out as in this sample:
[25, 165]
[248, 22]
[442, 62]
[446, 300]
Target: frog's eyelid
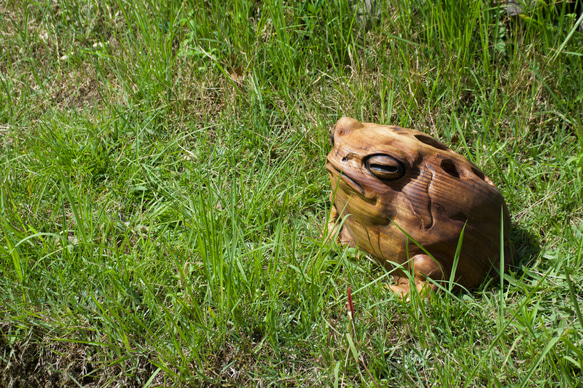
[384, 167]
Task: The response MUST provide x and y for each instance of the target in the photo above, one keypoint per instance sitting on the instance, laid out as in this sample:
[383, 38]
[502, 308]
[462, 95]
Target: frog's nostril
[449, 167]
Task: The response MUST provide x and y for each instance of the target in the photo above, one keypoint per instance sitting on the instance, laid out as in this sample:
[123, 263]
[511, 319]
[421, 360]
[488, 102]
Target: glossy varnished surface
[388, 180]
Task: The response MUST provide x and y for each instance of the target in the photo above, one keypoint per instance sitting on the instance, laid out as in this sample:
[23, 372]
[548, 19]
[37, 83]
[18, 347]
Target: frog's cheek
[418, 200]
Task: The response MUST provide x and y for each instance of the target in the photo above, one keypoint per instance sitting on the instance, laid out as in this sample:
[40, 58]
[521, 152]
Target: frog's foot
[424, 268]
[402, 288]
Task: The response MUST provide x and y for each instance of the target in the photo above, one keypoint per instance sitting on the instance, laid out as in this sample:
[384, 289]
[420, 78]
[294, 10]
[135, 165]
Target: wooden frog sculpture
[390, 182]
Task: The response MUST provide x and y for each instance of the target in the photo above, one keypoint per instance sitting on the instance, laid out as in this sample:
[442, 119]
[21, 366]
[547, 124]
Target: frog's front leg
[334, 227]
[424, 267]
[332, 221]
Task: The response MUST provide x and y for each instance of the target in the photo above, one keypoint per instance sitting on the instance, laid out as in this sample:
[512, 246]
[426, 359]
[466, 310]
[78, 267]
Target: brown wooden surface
[388, 180]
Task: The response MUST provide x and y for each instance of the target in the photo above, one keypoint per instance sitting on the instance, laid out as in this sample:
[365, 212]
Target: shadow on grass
[527, 248]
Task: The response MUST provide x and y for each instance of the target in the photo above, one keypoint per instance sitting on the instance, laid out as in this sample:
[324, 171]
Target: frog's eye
[385, 167]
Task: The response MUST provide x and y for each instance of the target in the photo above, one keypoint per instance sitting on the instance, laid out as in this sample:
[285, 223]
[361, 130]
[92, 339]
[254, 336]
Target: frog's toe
[402, 287]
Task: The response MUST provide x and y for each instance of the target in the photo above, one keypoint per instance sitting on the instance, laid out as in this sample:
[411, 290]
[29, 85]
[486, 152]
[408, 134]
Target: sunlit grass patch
[163, 192]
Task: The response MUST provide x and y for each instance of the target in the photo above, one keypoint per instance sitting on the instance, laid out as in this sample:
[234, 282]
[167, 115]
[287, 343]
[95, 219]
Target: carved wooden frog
[389, 182]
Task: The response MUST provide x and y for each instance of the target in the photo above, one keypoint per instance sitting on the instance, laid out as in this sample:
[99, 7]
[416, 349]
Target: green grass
[163, 192]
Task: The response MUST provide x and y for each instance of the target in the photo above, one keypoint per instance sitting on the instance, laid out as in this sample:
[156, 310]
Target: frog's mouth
[336, 173]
